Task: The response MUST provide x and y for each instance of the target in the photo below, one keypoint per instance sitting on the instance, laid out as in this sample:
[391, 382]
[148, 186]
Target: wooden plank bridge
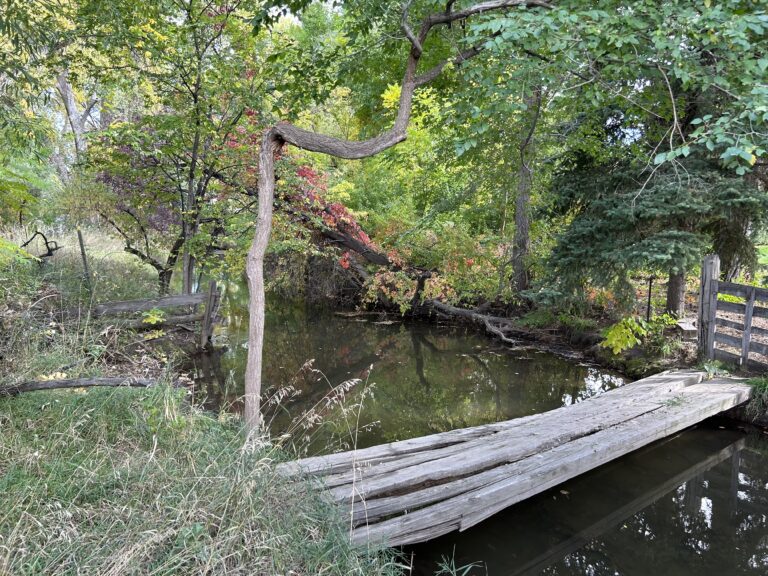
[415, 490]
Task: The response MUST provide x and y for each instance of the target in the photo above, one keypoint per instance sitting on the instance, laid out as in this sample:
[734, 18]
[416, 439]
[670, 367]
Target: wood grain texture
[414, 490]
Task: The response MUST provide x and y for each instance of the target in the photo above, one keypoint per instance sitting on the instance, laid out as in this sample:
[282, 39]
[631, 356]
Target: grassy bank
[136, 482]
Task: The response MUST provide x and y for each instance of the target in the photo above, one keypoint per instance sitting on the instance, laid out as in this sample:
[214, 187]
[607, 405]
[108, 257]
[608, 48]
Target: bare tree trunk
[285, 133]
[255, 270]
[521, 246]
[676, 294]
[70, 107]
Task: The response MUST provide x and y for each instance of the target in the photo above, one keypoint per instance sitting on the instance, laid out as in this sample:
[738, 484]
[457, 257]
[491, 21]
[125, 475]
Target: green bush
[634, 331]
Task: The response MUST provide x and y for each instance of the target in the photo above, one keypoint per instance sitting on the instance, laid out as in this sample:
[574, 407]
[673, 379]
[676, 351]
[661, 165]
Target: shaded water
[398, 380]
[694, 505]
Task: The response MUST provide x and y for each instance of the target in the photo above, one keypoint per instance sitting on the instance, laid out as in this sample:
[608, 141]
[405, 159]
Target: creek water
[335, 382]
[695, 504]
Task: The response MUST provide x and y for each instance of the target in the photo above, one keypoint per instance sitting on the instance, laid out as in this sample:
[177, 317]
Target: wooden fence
[206, 317]
[727, 328]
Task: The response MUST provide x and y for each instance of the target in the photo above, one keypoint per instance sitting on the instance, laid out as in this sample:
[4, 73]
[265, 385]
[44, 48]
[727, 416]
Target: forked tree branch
[353, 150]
[285, 133]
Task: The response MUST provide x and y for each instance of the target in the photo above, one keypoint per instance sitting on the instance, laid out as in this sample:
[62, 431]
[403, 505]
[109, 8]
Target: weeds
[757, 407]
[136, 482]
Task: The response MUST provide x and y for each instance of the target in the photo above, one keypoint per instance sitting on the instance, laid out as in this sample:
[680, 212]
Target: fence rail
[740, 338]
[207, 317]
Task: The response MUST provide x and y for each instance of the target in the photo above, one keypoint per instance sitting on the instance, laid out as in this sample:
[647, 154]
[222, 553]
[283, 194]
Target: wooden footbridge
[415, 490]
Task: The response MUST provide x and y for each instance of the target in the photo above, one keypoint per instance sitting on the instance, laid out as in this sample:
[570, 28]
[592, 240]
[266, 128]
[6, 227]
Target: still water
[693, 505]
[335, 382]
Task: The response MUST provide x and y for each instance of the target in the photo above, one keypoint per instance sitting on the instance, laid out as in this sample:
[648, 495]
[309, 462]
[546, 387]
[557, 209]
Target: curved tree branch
[285, 133]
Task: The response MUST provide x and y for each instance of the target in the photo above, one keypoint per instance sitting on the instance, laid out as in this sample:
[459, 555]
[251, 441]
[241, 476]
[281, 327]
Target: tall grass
[136, 482]
[757, 408]
[36, 339]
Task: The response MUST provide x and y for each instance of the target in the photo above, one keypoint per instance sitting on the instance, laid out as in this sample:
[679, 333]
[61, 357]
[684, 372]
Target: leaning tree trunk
[676, 294]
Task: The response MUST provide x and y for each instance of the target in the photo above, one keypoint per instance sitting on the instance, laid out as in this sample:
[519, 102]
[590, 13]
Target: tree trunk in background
[521, 246]
[676, 294]
[522, 241]
[74, 118]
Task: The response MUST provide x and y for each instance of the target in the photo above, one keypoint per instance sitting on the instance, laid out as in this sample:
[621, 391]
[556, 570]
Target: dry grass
[132, 482]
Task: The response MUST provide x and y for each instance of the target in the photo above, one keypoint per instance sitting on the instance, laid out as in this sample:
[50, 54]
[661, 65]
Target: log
[35, 385]
[169, 321]
[128, 306]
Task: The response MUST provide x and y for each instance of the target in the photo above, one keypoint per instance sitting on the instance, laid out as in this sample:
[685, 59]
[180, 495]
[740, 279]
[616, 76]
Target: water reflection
[693, 505]
[374, 380]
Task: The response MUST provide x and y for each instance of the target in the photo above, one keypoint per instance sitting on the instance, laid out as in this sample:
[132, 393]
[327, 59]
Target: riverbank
[137, 482]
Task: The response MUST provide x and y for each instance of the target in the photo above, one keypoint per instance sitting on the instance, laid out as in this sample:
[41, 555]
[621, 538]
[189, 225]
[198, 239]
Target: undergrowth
[758, 406]
[126, 481]
[37, 340]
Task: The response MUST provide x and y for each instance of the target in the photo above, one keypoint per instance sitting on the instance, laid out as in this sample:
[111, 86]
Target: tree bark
[254, 268]
[285, 133]
[676, 294]
[70, 108]
[521, 245]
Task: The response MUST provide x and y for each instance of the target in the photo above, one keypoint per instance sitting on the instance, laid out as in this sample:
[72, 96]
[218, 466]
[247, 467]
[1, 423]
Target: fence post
[206, 328]
[710, 273]
[86, 268]
[747, 334]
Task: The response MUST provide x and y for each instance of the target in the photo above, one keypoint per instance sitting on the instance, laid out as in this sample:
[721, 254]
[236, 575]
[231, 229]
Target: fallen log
[498, 326]
[128, 306]
[35, 385]
[166, 322]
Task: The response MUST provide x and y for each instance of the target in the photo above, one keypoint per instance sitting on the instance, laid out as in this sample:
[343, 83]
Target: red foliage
[309, 194]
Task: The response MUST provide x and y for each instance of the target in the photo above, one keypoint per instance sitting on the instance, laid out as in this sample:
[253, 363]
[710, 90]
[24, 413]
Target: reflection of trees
[713, 524]
[427, 379]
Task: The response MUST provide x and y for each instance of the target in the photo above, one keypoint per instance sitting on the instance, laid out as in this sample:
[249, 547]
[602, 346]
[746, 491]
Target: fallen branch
[75, 383]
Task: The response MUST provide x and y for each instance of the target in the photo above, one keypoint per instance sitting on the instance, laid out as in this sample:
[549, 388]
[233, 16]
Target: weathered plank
[725, 356]
[344, 461]
[165, 322]
[127, 306]
[760, 312]
[414, 490]
[731, 307]
[503, 448]
[725, 323]
[742, 290]
[710, 272]
[728, 340]
[503, 486]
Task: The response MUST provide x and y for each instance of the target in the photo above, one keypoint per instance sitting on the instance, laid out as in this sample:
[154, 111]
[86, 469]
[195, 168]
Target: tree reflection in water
[424, 378]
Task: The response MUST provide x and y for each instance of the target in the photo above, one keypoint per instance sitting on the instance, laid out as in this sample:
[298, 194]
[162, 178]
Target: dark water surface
[693, 505]
[376, 380]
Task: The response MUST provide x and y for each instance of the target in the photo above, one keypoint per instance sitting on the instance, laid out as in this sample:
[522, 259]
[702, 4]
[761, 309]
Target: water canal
[695, 504]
